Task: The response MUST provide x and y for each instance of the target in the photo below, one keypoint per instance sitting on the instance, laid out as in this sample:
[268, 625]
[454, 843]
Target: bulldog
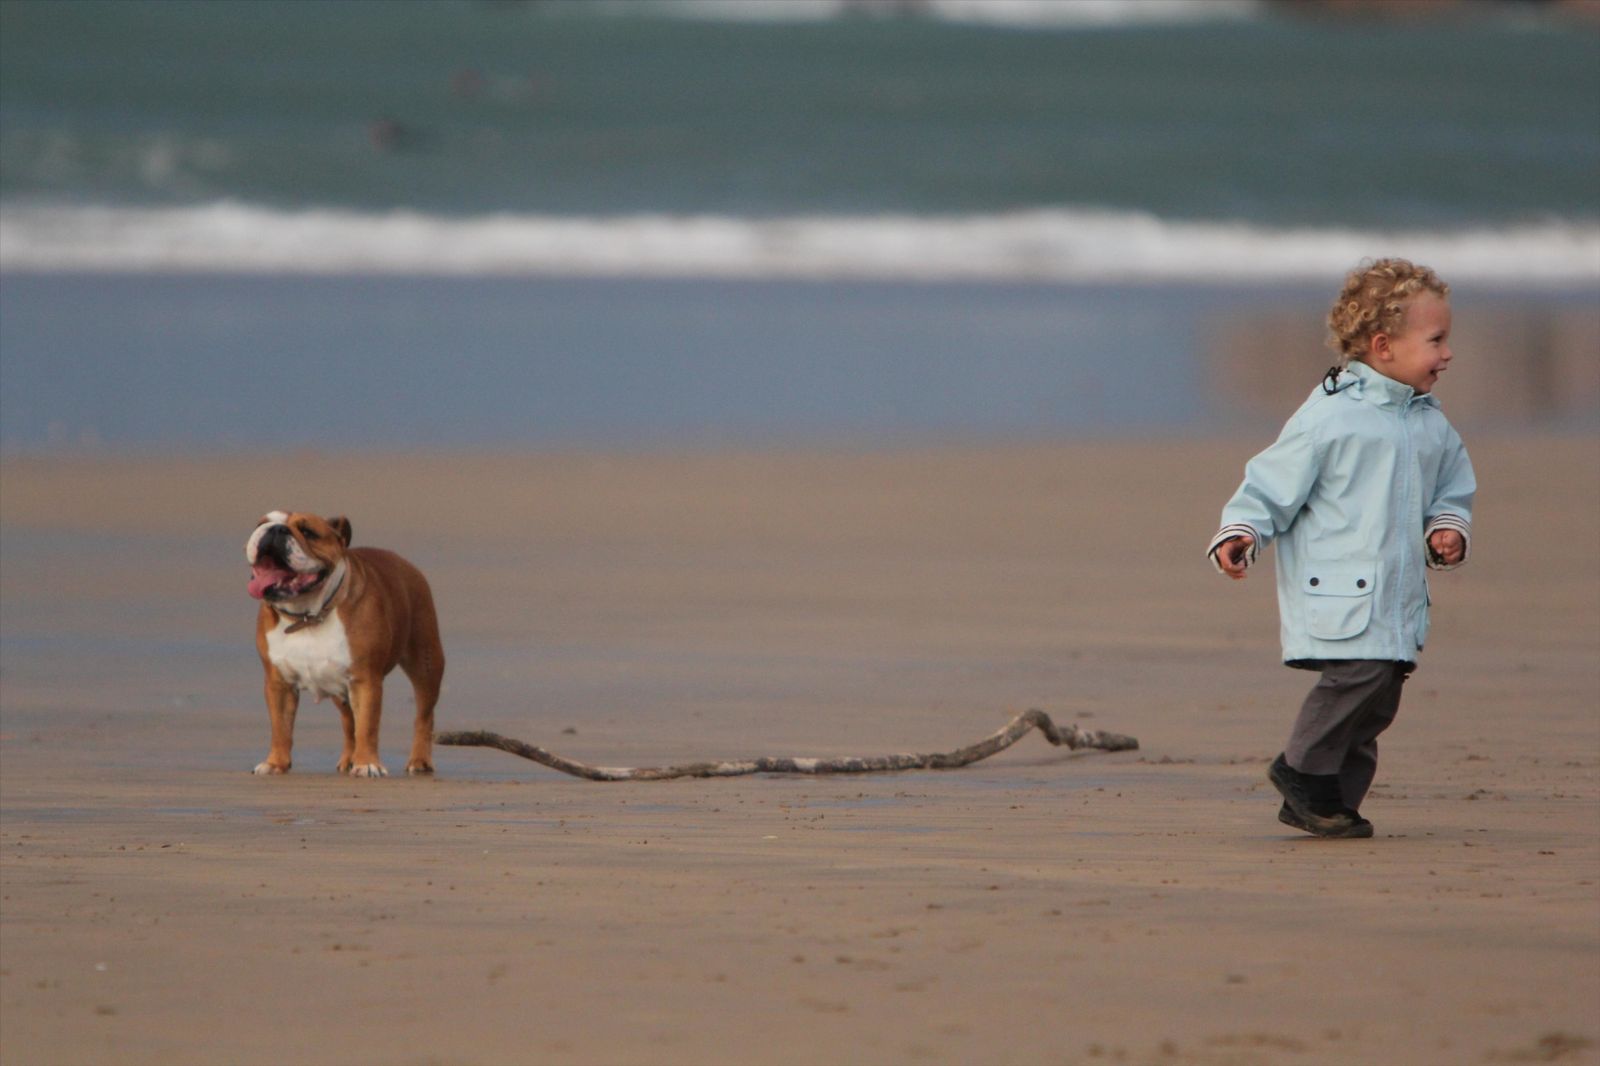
[334, 621]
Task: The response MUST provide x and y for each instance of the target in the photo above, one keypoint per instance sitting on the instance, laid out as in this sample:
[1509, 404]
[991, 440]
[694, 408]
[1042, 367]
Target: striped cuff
[1447, 521]
[1233, 531]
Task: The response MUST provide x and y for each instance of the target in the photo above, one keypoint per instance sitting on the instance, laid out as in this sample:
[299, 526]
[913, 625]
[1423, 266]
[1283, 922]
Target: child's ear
[1379, 348]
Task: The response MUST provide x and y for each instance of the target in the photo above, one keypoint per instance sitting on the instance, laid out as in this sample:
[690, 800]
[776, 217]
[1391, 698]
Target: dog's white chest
[316, 659]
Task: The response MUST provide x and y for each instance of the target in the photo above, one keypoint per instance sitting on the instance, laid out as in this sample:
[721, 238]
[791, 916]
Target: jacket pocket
[1338, 598]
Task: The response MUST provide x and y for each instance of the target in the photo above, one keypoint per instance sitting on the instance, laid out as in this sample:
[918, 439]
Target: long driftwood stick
[1071, 736]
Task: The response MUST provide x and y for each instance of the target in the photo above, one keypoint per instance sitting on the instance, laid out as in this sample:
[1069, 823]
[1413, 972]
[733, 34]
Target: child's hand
[1447, 546]
[1231, 556]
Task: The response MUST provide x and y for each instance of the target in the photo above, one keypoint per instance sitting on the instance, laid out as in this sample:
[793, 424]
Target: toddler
[1366, 486]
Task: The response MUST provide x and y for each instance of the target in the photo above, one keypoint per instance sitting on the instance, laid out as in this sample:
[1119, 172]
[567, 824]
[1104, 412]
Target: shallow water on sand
[236, 364]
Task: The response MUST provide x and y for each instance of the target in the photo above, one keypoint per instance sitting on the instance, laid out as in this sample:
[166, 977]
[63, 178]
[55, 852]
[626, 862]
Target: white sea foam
[1022, 13]
[1046, 245]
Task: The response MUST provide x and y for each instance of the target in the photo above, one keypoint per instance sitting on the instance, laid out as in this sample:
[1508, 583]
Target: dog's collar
[310, 618]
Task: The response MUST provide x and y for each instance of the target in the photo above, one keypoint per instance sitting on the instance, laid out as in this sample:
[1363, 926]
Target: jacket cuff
[1233, 531]
[1453, 522]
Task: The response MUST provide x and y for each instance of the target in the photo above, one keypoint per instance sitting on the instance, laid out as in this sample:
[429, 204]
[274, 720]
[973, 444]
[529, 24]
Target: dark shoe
[1359, 828]
[1313, 798]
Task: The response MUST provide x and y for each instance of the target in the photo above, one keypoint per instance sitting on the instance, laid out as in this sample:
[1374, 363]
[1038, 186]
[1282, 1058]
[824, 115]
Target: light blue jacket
[1351, 490]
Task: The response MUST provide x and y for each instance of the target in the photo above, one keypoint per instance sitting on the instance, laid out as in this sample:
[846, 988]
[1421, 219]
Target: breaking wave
[1019, 13]
[1068, 245]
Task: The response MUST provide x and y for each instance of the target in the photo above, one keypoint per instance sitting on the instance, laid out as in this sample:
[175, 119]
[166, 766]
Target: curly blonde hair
[1374, 300]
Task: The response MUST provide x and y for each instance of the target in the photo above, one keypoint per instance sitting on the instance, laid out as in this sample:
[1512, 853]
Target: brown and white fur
[334, 621]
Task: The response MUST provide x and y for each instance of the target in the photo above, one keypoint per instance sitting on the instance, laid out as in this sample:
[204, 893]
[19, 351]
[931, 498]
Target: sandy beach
[160, 905]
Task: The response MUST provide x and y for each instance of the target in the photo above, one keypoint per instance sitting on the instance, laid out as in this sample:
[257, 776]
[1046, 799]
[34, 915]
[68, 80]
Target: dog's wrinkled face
[291, 554]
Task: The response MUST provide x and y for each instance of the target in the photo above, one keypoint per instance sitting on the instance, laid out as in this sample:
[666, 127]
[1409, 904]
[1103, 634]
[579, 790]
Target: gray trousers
[1338, 726]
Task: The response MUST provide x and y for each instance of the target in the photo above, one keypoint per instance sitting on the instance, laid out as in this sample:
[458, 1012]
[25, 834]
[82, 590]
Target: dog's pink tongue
[264, 576]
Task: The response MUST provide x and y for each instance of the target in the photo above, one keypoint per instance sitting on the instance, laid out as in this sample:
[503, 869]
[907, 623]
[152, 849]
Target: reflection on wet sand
[1515, 364]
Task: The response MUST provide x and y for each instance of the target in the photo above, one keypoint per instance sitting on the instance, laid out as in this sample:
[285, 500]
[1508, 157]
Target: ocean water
[470, 222]
[982, 139]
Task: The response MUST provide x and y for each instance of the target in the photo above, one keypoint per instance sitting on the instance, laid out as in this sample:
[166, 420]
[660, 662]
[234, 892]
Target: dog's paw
[368, 769]
[419, 766]
[269, 768]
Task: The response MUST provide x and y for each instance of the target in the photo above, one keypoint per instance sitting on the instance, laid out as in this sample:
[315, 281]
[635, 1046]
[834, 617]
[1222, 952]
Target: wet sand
[160, 905]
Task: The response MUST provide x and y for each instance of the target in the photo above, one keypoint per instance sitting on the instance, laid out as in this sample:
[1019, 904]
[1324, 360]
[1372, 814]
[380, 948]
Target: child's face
[1420, 351]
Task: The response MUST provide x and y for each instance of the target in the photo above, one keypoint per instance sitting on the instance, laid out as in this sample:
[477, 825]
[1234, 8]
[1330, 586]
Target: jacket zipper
[1405, 509]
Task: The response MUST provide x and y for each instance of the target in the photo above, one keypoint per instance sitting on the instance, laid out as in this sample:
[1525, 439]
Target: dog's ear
[341, 526]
